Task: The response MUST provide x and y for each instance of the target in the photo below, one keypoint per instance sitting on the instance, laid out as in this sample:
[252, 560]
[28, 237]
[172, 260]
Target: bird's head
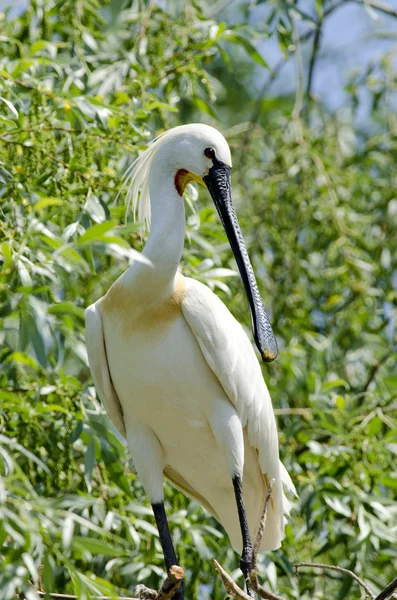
[187, 153]
[200, 153]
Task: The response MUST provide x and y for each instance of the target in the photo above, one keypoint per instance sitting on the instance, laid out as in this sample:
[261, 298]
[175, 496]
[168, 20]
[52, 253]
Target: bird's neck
[167, 233]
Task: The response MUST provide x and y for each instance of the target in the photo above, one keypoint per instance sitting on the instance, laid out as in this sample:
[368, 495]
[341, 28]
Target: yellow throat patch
[183, 178]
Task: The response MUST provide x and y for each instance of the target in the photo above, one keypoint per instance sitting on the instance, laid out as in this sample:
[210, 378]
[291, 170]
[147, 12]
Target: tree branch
[313, 57]
[256, 586]
[384, 8]
[170, 585]
[176, 574]
[304, 412]
[22, 596]
[375, 4]
[236, 592]
[362, 583]
[376, 366]
[261, 528]
[231, 586]
[167, 590]
[263, 593]
[389, 589]
[276, 70]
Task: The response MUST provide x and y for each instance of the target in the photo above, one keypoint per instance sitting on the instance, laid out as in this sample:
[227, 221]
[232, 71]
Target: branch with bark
[176, 574]
[236, 592]
[170, 585]
[167, 590]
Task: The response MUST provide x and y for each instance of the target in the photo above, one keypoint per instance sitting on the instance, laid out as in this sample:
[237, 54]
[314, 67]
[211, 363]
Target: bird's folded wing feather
[230, 355]
[97, 359]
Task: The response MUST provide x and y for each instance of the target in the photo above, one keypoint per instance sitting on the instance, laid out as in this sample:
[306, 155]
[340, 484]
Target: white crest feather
[136, 179]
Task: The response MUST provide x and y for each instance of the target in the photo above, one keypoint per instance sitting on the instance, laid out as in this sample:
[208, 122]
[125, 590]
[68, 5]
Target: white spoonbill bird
[175, 371]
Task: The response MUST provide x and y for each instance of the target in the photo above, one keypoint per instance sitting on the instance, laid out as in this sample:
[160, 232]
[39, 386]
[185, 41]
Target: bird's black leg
[246, 557]
[166, 542]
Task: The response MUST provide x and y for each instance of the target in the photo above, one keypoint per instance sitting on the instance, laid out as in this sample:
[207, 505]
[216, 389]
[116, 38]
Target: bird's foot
[245, 566]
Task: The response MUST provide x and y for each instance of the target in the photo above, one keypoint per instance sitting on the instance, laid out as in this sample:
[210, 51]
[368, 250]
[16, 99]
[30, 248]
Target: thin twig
[171, 583]
[261, 528]
[146, 19]
[101, 482]
[231, 586]
[384, 8]
[313, 57]
[296, 112]
[72, 597]
[387, 592]
[253, 578]
[282, 62]
[376, 366]
[304, 412]
[336, 568]
[264, 593]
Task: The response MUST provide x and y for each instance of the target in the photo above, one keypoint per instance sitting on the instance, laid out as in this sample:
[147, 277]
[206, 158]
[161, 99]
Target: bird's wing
[97, 359]
[231, 357]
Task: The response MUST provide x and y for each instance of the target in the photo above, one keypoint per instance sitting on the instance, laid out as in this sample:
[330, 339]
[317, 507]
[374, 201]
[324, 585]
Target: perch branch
[167, 590]
[236, 592]
[71, 596]
[264, 593]
[313, 58]
[261, 528]
[231, 586]
[387, 592]
[170, 585]
[360, 582]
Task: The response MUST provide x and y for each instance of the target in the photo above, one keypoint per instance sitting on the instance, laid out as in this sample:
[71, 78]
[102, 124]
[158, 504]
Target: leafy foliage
[84, 86]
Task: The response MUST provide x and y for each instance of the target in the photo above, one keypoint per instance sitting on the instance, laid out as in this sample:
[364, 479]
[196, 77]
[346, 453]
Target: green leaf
[146, 527]
[334, 383]
[375, 426]
[95, 546]
[10, 106]
[66, 308]
[46, 202]
[205, 107]
[96, 232]
[236, 38]
[37, 46]
[89, 463]
[338, 506]
[48, 572]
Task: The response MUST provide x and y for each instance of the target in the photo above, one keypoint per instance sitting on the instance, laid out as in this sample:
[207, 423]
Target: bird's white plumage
[176, 372]
[99, 367]
[230, 355]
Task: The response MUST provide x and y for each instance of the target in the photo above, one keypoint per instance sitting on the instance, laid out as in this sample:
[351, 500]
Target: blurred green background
[306, 95]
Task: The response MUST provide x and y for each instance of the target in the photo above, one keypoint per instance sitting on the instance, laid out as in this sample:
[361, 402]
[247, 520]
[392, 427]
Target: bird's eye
[209, 153]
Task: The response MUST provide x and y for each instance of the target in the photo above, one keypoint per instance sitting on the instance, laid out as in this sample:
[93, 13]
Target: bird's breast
[159, 373]
[143, 307]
